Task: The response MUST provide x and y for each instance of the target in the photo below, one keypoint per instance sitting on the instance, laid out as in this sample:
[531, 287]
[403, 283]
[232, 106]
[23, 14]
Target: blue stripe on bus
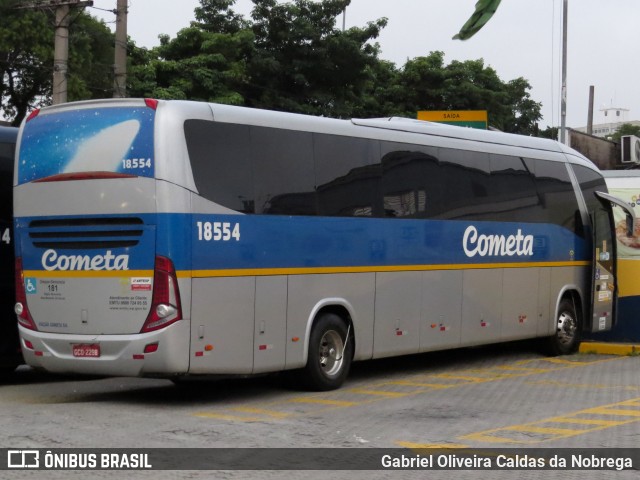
[250, 242]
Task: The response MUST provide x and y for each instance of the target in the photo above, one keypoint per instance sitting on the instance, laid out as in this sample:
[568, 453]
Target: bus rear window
[116, 139]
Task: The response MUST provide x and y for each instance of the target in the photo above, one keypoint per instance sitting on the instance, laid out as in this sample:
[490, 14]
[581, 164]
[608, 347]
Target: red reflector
[138, 356]
[33, 114]
[24, 317]
[152, 347]
[39, 354]
[151, 103]
[262, 347]
[199, 354]
[28, 344]
[65, 177]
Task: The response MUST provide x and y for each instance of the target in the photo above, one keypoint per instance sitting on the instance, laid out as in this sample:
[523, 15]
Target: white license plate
[86, 350]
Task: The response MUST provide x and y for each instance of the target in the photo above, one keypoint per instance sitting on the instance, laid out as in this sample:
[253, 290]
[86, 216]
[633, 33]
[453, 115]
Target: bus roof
[354, 127]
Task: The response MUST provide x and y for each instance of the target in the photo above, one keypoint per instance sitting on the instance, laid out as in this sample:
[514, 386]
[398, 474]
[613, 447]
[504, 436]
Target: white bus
[170, 238]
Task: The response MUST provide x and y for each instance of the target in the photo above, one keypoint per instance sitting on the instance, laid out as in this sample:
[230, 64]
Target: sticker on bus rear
[141, 284]
[113, 139]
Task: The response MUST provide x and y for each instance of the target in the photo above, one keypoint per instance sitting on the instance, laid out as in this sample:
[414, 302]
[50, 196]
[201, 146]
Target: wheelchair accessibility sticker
[30, 285]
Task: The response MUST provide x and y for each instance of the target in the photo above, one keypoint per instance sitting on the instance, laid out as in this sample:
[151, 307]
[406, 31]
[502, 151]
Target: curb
[609, 348]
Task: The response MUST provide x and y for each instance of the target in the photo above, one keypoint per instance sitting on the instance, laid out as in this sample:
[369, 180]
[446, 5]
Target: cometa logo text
[52, 261]
[496, 245]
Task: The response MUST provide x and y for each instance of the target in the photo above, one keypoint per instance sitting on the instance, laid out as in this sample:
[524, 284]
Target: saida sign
[461, 118]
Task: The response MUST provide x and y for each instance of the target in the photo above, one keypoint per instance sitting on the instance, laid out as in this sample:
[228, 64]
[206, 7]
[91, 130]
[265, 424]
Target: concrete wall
[604, 153]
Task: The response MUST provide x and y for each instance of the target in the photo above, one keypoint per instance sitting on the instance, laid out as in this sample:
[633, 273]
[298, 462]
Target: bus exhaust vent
[86, 233]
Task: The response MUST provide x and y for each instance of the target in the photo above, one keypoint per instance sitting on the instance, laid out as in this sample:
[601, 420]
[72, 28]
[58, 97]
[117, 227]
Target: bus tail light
[151, 103]
[21, 308]
[34, 113]
[165, 303]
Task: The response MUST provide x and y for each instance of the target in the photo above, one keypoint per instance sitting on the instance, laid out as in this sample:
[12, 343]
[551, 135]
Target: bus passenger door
[603, 274]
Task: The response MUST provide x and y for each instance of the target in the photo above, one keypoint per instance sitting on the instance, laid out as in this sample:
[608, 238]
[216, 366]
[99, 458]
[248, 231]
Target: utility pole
[563, 94]
[590, 114]
[120, 61]
[61, 42]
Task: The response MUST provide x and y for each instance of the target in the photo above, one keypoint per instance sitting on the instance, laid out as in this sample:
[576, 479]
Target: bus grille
[86, 233]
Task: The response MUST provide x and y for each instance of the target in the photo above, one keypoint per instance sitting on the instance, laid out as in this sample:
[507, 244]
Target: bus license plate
[86, 350]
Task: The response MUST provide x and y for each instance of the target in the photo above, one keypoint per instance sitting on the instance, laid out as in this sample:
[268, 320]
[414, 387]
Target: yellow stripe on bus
[257, 272]
[251, 272]
[87, 273]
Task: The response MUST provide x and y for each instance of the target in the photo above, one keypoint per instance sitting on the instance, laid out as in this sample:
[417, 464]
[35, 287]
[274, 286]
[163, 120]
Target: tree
[26, 58]
[206, 61]
[428, 84]
[302, 63]
[625, 129]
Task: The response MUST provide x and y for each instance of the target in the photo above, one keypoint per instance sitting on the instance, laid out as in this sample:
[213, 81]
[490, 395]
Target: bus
[10, 356]
[170, 238]
[625, 184]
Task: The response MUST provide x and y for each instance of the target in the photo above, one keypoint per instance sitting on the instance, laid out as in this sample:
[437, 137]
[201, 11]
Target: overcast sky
[523, 39]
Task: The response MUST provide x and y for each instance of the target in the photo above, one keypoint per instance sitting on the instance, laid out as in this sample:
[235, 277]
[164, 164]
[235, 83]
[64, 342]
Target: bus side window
[556, 194]
[274, 151]
[347, 173]
[404, 180]
[221, 163]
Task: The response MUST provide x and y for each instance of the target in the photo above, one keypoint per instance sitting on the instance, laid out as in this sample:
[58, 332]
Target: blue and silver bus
[10, 356]
[170, 238]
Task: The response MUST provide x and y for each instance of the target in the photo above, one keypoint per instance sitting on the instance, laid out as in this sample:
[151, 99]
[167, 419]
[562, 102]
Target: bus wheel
[330, 353]
[566, 338]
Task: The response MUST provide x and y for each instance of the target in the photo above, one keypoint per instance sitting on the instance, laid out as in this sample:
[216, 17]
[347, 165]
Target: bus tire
[330, 354]
[566, 338]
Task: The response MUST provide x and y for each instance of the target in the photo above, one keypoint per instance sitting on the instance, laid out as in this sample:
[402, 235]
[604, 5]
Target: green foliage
[303, 63]
[287, 56]
[549, 132]
[26, 58]
[428, 84]
[625, 129]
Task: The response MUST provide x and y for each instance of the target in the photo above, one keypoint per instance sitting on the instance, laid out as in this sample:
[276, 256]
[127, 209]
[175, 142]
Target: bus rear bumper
[119, 355]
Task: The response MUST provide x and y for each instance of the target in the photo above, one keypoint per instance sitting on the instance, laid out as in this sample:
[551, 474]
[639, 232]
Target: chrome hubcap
[330, 353]
[567, 328]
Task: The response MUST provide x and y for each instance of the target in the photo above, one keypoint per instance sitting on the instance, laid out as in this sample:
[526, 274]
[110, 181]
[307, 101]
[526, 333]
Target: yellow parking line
[382, 393]
[562, 361]
[543, 426]
[614, 411]
[233, 418]
[467, 378]
[431, 446]
[544, 430]
[526, 370]
[484, 437]
[587, 421]
[323, 401]
[408, 383]
[261, 411]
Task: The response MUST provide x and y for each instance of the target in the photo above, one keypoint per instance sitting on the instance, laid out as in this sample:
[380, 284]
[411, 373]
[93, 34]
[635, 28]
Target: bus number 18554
[218, 231]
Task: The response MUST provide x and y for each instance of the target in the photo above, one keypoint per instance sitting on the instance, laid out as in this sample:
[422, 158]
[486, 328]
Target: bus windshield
[116, 140]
